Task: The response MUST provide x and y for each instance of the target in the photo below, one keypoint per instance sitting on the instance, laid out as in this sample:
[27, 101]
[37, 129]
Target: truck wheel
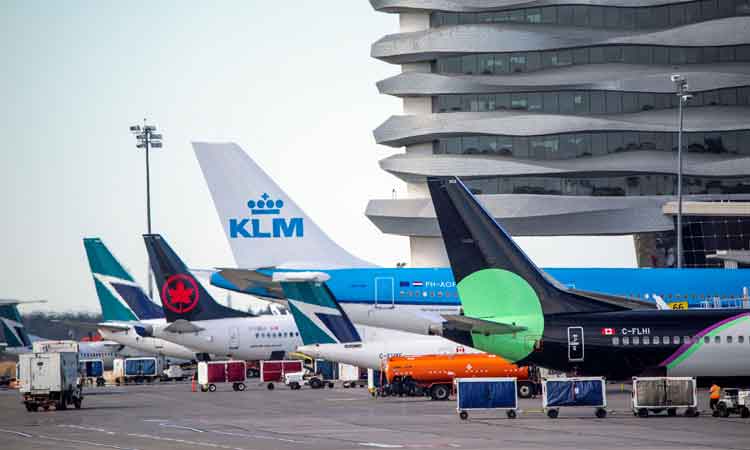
[745, 412]
[315, 383]
[643, 412]
[211, 387]
[525, 389]
[601, 413]
[240, 387]
[270, 386]
[77, 403]
[440, 392]
[553, 413]
[294, 385]
[463, 415]
[723, 410]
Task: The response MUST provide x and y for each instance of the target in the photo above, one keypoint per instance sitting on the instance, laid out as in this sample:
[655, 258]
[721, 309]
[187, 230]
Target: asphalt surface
[170, 416]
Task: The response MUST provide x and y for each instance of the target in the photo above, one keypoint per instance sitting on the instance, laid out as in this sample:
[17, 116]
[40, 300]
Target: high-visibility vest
[715, 392]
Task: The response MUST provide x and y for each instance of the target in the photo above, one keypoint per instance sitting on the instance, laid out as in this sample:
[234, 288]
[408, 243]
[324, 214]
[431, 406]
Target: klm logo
[260, 226]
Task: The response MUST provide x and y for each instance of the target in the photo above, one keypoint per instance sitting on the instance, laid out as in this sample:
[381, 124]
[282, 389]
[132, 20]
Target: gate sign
[575, 343]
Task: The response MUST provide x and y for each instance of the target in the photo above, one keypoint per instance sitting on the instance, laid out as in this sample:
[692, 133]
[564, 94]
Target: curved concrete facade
[419, 48]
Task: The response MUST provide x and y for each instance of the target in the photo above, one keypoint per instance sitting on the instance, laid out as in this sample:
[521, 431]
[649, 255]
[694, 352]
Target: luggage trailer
[486, 394]
[211, 373]
[590, 392]
[659, 394]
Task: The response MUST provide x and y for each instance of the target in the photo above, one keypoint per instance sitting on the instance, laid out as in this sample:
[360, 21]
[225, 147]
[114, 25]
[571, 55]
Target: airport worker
[715, 395]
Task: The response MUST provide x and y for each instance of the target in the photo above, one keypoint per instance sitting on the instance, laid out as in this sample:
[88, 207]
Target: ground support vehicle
[177, 373]
[486, 394]
[137, 370]
[561, 392]
[733, 401]
[50, 379]
[295, 380]
[211, 373]
[351, 376]
[659, 394]
[273, 371]
[433, 375]
[93, 371]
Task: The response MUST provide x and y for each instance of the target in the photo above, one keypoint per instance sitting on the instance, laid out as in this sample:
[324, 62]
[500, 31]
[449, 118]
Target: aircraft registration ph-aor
[511, 309]
[197, 321]
[328, 333]
[268, 232]
[129, 315]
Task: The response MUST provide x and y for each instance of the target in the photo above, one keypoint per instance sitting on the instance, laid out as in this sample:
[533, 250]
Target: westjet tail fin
[182, 295]
[264, 227]
[319, 317]
[494, 276]
[16, 337]
[120, 296]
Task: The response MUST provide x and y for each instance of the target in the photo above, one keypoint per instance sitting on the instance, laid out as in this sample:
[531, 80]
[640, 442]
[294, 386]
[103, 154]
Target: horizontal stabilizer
[113, 326]
[182, 326]
[301, 277]
[625, 302]
[248, 281]
[10, 301]
[486, 327]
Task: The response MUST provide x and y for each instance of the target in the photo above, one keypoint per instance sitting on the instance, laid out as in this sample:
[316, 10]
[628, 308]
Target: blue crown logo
[265, 205]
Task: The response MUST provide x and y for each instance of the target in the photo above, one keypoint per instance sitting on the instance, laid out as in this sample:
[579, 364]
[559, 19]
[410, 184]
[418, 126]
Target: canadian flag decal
[608, 331]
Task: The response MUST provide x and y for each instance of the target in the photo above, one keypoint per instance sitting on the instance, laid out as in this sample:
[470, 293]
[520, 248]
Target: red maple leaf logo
[180, 293]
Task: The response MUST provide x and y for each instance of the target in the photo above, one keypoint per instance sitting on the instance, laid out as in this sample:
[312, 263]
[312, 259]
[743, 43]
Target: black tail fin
[182, 296]
[475, 241]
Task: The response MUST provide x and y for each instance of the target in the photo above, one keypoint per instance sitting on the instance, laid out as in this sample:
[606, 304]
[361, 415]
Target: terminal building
[562, 117]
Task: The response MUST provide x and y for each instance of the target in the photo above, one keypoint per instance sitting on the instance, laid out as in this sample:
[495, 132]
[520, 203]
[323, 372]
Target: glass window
[675, 339]
[535, 101]
[565, 15]
[646, 340]
[676, 15]
[597, 103]
[656, 339]
[596, 55]
[580, 15]
[625, 340]
[611, 18]
[549, 14]
[533, 61]
[550, 103]
[613, 53]
[581, 56]
[534, 15]
[615, 340]
[717, 339]
[566, 103]
[740, 339]
[518, 62]
[486, 64]
[636, 340]
[614, 102]
[469, 64]
[596, 16]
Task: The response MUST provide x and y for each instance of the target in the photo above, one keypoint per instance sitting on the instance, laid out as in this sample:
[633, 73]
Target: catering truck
[50, 379]
[433, 375]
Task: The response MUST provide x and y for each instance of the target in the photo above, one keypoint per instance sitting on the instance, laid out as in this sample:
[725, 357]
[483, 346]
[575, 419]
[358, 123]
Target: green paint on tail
[502, 296]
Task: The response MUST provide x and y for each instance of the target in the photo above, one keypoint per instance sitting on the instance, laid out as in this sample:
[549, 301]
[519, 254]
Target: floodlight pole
[682, 97]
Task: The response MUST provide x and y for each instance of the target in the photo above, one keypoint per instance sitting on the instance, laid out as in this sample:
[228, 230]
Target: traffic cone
[194, 387]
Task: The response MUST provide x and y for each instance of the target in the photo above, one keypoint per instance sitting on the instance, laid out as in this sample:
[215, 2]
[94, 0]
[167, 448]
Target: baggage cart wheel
[463, 415]
[525, 389]
[315, 383]
[270, 386]
[45, 407]
[330, 385]
[745, 412]
[552, 413]
[241, 387]
[642, 412]
[77, 403]
[692, 412]
[671, 412]
[29, 407]
[211, 387]
[204, 388]
[601, 413]
[234, 386]
[294, 385]
[511, 414]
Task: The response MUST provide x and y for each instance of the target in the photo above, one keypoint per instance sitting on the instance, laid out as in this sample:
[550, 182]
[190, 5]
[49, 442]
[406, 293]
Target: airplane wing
[250, 281]
[11, 301]
[482, 326]
[182, 326]
[113, 326]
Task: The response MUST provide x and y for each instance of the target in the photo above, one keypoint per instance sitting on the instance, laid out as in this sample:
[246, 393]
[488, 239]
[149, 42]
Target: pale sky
[291, 82]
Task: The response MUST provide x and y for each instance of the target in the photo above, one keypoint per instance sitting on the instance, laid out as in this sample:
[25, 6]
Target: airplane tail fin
[182, 295]
[264, 226]
[13, 329]
[494, 276]
[120, 296]
[319, 317]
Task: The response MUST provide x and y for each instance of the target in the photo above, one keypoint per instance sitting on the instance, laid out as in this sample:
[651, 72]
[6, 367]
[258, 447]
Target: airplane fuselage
[140, 340]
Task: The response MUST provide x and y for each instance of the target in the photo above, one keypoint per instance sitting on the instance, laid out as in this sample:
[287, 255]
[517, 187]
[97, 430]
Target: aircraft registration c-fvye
[268, 233]
[511, 309]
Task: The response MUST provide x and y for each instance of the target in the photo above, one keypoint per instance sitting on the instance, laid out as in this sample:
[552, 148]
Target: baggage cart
[659, 394]
[92, 370]
[137, 370]
[574, 392]
[211, 373]
[484, 394]
[273, 371]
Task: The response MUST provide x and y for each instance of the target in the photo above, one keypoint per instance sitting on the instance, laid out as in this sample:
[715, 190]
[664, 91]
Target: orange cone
[194, 388]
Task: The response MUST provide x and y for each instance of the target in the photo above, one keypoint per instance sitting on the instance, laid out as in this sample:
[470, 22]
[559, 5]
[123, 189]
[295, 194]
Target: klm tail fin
[264, 227]
[120, 296]
[319, 317]
[13, 330]
[182, 295]
[494, 276]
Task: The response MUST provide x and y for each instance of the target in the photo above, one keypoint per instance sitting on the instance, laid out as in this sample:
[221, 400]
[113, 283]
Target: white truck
[50, 379]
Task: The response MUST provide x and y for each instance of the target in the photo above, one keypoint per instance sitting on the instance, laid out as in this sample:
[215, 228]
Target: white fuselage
[248, 338]
[149, 345]
[106, 350]
[379, 344]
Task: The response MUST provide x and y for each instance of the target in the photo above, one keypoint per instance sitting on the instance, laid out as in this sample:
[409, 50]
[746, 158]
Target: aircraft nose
[309, 350]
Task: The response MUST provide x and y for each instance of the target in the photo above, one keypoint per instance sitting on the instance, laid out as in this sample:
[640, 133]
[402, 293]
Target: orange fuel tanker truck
[433, 374]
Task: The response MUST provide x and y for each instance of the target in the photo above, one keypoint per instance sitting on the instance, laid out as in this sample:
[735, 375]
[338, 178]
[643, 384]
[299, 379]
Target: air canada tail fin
[14, 331]
[182, 295]
[264, 226]
[494, 276]
[120, 296]
[319, 317]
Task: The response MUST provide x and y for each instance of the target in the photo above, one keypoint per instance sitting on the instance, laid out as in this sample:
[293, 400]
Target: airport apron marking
[688, 349]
